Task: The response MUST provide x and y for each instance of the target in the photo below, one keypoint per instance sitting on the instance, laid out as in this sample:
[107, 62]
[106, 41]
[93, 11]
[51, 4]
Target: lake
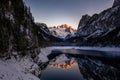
[80, 63]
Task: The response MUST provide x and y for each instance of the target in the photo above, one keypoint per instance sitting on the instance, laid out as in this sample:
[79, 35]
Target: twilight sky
[57, 12]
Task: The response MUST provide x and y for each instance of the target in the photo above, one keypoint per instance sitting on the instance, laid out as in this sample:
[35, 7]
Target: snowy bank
[115, 51]
[23, 69]
[49, 49]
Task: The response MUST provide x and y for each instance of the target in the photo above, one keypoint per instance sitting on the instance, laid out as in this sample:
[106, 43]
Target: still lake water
[55, 73]
[79, 64]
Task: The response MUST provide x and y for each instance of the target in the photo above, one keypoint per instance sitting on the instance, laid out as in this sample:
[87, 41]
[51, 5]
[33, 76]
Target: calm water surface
[77, 64]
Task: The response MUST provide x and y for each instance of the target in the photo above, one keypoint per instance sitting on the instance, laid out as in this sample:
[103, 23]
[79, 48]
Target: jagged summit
[116, 3]
[84, 19]
[62, 30]
[63, 26]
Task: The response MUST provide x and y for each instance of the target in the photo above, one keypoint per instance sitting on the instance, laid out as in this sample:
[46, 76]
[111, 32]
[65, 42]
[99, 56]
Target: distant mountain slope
[100, 29]
[62, 31]
[43, 31]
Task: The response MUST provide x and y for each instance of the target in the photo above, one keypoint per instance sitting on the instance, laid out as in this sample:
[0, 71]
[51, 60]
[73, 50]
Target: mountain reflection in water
[65, 65]
[80, 64]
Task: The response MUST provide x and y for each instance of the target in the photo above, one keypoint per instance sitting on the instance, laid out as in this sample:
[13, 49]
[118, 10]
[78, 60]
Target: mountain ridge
[62, 30]
[63, 26]
[100, 29]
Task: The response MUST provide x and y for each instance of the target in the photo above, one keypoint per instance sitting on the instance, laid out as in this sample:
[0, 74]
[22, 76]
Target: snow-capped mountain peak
[62, 30]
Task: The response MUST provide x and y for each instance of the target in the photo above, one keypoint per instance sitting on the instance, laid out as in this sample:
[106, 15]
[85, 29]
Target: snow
[45, 29]
[10, 3]
[26, 69]
[115, 51]
[94, 34]
[48, 50]
[13, 69]
[21, 28]
[43, 54]
[42, 57]
[110, 29]
[61, 59]
[9, 16]
[60, 32]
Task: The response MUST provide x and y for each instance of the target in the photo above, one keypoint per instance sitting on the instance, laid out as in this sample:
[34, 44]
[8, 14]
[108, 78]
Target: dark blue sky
[56, 12]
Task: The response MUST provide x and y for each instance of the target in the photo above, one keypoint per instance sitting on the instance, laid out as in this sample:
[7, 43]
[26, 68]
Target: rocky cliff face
[103, 28]
[83, 21]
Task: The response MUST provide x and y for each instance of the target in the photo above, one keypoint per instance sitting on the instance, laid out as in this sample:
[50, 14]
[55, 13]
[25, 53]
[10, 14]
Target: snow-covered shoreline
[26, 69]
[117, 49]
[23, 69]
